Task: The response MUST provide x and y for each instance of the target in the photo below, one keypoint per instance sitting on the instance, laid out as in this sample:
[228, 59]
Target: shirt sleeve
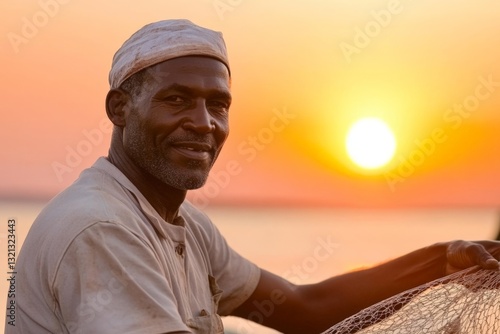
[110, 281]
[235, 275]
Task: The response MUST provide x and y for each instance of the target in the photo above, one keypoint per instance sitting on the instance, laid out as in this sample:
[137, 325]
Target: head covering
[164, 40]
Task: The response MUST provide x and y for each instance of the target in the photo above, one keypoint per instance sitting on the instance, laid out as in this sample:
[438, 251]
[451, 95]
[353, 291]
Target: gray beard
[151, 159]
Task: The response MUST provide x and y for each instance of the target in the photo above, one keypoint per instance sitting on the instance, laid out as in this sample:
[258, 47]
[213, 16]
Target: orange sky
[302, 72]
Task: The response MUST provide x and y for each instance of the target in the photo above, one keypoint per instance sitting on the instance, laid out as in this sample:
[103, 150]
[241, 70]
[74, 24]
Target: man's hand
[464, 254]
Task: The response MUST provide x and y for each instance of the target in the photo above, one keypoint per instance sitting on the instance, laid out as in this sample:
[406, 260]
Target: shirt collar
[158, 222]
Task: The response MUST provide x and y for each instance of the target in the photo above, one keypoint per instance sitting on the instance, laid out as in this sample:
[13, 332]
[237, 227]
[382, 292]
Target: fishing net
[467, 302]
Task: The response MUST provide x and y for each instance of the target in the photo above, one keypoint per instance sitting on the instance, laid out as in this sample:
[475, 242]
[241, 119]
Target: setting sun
[370, 143]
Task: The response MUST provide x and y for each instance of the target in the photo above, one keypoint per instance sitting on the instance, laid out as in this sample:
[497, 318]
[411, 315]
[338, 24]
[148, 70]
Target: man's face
[179, 123]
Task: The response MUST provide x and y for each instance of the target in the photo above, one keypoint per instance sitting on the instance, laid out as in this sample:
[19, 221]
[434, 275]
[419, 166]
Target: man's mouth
[194, 150]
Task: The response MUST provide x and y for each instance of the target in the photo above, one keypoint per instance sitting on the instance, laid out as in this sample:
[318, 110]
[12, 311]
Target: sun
[370, 143]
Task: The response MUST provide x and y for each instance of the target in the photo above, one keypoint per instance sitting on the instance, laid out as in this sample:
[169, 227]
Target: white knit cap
[164, 40]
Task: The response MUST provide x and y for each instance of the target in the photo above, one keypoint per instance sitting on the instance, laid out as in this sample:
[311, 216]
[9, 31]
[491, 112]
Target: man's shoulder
[89, 198]
[91, 201]
[94, 198]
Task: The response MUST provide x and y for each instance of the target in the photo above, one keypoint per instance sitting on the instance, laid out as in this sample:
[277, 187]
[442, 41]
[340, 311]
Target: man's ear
[117, 105]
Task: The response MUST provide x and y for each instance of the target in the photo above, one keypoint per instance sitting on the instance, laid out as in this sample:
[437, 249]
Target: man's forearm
[314, 308]
[339, 297]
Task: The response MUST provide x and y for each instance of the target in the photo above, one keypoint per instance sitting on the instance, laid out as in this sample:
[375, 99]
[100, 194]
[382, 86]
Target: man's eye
[219, 106]
[175, 99]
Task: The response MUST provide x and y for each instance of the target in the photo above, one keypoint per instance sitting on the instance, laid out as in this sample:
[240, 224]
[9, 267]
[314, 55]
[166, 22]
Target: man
[122, 251]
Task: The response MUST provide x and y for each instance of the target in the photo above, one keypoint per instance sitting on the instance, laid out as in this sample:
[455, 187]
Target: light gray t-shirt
[99, 259]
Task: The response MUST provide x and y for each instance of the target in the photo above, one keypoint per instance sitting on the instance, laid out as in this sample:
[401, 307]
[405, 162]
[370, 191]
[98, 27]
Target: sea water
[304, 245]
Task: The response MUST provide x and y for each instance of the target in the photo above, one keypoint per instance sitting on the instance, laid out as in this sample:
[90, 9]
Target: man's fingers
[464, 254]
[491, 264]
[485, 258]
[480, 255]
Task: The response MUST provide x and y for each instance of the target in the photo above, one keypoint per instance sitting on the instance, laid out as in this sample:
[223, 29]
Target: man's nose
[199, 119]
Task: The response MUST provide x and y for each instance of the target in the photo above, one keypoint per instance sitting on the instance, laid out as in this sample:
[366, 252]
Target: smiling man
[122, 251]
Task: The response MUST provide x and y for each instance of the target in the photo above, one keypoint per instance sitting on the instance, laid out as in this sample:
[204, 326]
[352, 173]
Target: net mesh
[467, 302]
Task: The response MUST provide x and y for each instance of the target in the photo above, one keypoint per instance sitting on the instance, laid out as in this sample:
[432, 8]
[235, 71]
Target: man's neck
[165, 199]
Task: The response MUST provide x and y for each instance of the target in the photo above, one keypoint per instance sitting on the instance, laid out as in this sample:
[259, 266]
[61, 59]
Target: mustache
[192, 137]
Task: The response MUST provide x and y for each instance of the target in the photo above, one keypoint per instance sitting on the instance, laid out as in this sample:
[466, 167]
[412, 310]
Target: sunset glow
[302, 74]
[370, 143]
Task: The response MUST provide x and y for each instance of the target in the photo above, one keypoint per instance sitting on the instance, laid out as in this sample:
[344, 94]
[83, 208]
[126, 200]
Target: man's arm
[312, 308]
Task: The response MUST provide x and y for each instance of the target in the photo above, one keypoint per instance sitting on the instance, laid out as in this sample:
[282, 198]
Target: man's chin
[192, 183]
[194, 186]
[182, 180]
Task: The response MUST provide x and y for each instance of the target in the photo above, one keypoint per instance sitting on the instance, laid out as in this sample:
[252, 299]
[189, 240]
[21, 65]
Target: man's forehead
[190, 64]
[162, 41]
[189, 71]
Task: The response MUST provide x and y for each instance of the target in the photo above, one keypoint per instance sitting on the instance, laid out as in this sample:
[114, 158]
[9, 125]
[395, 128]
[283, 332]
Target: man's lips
[194, 150]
